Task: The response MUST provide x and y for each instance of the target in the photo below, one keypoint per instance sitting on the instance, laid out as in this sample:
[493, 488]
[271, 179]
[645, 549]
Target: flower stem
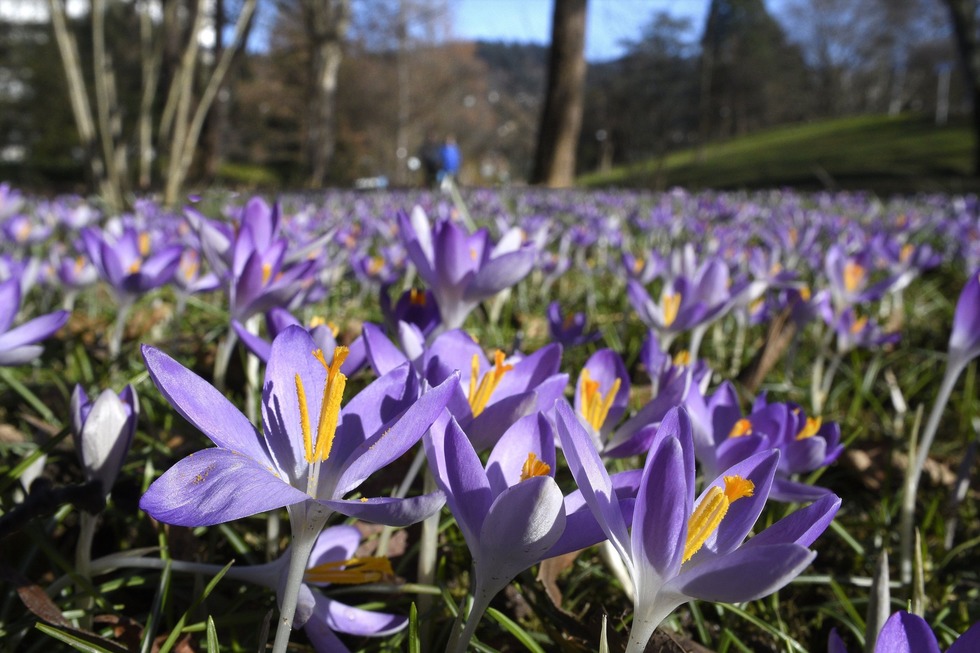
[953, 370]
[115, 342]
[83, 560]
[307, 521]
[223, 357]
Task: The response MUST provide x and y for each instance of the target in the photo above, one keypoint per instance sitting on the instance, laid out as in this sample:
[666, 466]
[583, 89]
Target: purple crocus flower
[333, 561]
[568, 330]
[723, 437]
[964, 341]
[290, 461]
[127, 263]
[18, 345]
[511, 513]
[103, 431]
[905, 632]
[681, 549]
[462, 269]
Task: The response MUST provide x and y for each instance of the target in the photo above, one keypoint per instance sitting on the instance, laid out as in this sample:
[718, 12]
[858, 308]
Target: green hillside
[903, 154]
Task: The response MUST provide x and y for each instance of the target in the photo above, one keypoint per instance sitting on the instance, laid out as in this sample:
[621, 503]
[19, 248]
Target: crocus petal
[322, 638]
[258, 345]
[521, 525]
[500, 273]
[742, 575]
[105, 438]
[802, 527]
[202, 405]
[530, 434]
[383, 355]
[215, 486]
[906, 633]
[964, 340]
[466, 485]
[334, 544]
[9, 302]
[389, 511]
[355, 621]
[33, 331]
[834, 643]
[968, 642]
[395, 439]
[742, 514]
[795, 492]
[20, 355]
[660, 513]
[591, 476]
[486, 429]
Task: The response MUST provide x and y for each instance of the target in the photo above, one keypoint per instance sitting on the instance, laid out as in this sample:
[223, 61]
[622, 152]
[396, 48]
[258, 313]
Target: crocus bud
[103, 430]
[964, 341]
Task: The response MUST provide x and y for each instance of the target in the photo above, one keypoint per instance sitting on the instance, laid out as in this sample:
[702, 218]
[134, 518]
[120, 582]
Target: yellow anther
[741, 428]
[794, 236]
[134, 267]
[775, 269]
[23, 231]
[482, 388]
[568, 322]
[473, 253]
[811, 428]
[266, 272]
[317, 320]
[712, 509]
[189, 266]
[416, 297]
[907, 250]
[534, 466]
[853, 276]
[805, 293]
[144, 243]
[355, 571]
[317, 446]
[595, 405]
[757, 305]
[375, 265]
[79, 264]
[671, 304]
[682, 358]
[859, 325]
[638, 265]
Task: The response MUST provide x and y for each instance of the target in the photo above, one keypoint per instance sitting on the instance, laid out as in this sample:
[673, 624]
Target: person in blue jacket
[451, 158]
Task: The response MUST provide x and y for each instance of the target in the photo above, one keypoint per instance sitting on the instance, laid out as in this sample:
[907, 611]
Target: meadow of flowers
[497, 421]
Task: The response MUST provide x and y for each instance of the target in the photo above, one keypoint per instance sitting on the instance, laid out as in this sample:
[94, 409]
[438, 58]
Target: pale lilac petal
[742, 575]
[661, 512]
[389, 511]
[322, 638]
[802, 527]
[335, 544]
[530, 434]
[906, 633]
[591, 476]
[20, 355]
[834, 643]
[383, 355]
[215, 486]
[795, 492]
[258, 345]
[968, 642]
[531, 371]
[9, 302]
[744, 512]
[522, 524]
[467, 488]
[388, 444]
[486, 429]
[40, 328]
[355, 621]
[500, 273]
[203, 406]
[367, 413]
[964, 340]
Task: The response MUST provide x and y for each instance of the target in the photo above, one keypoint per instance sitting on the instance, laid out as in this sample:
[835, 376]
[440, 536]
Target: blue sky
[529, 21]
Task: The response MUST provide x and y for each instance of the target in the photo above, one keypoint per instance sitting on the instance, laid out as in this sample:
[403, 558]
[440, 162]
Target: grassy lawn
[887, 155]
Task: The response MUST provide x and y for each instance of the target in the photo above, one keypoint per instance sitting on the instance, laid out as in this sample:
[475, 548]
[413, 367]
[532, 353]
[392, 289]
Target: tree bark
[963, 14]
[561, 118]
[327, 24]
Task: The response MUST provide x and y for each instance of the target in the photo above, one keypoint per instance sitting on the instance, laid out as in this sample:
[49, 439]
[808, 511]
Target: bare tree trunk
[187, 130]
[327, 24]
[106, 102]
[963, 14]
[561, 119]
[151, 54]
[81, 109]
